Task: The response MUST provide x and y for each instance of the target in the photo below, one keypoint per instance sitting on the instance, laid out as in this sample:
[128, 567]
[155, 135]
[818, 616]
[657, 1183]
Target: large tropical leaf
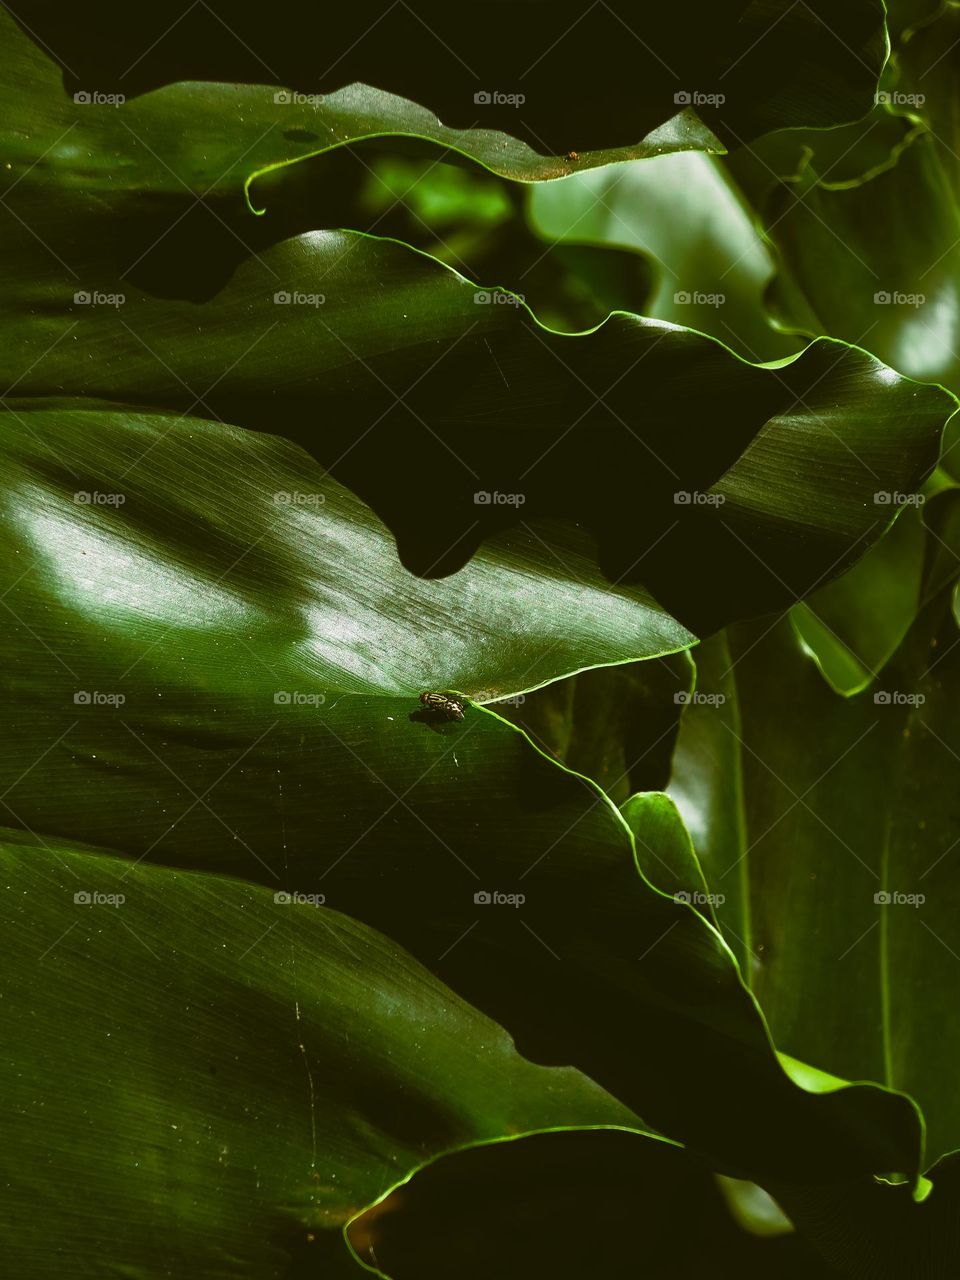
[855, 624]
[589, 79]
[555, 1204]
[385, 367]
[241, 1075]
[616, 725]
[213, 654]
[265, 734]
[829, 826]
[686, 216]
[874, 262]
[659, 441]
[202, 137]
[116, 508]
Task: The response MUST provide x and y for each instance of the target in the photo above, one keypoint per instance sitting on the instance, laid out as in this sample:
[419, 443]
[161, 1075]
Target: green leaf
[706, 785]
[847, 155]
[904, 15]
[616, 725]
[472, 221]
[395, 375]
[474, 1213]
[927, 65]
[665, 851]
[883, 1235]
[222, 1080]
[204, 138]
[557, 76]
[686, 216]
[874, 263]
[855, 624]
[657, 440]
[343, 785]
[842, 846]
[217, 536]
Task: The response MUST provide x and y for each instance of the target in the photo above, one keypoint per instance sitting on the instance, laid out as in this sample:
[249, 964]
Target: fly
[452, 708]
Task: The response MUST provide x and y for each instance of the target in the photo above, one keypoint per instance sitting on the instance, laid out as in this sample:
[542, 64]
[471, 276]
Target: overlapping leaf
[687, 217]
[244, 1074]
[855, 624]
[885, 280]
[874, 261]
[262, 737]
[578, 1189]
[585, 79]
[384, 366]
[389, 371]
[213, 654]
[828, 824]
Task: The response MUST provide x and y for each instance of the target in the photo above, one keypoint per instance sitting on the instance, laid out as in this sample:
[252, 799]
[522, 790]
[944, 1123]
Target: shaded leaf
[240, 1078]
[346, 787]
[855, 624]
[556, 1205]
[665, 851]
[685, 215]
[698, 474]
[614, 724]
[591, 79]
[844, 853]
[887, 279]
